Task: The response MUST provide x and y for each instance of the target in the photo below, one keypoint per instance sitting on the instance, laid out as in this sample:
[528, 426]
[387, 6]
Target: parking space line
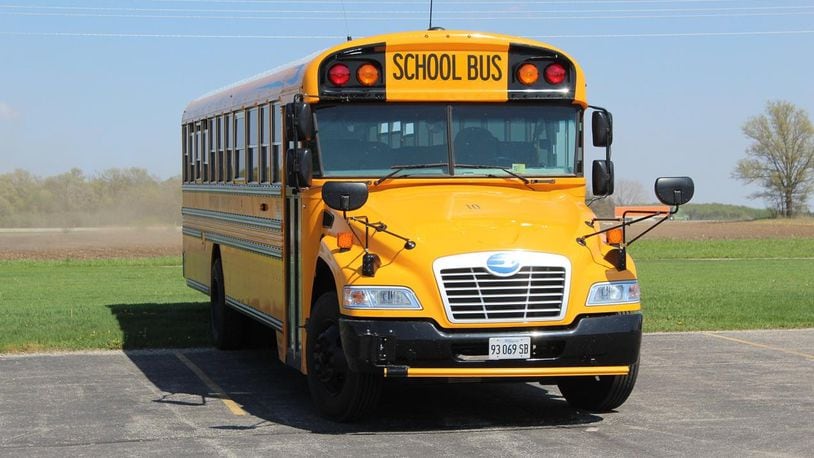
[230, 404]
[759, 345]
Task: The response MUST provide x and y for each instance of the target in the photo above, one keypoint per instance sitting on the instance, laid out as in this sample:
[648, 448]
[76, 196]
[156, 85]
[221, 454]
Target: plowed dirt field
[95, 243]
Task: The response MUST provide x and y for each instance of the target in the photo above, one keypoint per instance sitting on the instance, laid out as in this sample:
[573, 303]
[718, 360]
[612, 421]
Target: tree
[629, 192]
[781, 157]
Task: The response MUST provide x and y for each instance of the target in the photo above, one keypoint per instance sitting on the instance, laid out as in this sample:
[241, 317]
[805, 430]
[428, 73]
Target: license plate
[510, 348]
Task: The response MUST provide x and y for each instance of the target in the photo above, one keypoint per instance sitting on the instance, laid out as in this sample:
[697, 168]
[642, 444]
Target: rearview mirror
[300, 117]
[674, 190]
[299, 167]
[602, 178]
[602, 128]
[344, 195]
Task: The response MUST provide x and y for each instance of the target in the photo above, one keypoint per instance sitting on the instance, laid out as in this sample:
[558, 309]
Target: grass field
[49, 305]
[138, 303]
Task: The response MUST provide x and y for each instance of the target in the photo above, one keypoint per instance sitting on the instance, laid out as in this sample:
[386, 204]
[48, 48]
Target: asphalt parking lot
[723, 393]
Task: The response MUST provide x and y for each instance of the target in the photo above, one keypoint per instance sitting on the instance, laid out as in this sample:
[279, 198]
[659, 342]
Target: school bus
[413, 205]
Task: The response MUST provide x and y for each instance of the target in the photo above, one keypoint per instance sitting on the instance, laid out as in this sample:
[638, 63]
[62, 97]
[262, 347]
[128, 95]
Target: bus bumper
[594, 345]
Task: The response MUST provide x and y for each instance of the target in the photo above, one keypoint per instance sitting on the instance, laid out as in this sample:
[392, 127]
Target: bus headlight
[618, 292]
[380, 297]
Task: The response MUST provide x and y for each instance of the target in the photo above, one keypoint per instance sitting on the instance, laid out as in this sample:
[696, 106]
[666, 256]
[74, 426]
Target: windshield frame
[450, 170]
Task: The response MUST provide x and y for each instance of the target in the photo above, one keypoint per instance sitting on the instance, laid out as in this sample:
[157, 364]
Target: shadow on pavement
[278, 395]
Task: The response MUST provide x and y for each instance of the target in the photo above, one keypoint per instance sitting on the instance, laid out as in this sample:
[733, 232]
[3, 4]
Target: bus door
[293, 261]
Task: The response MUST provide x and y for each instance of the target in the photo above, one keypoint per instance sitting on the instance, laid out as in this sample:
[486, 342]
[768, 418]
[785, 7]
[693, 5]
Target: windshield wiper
[398, 168]
[509, 171]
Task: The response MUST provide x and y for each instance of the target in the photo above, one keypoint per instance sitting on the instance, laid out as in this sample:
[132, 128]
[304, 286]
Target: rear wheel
[226, 323]
[601, 393]
[338, 392]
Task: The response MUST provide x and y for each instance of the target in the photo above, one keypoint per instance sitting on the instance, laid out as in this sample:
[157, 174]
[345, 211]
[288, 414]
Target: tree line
[120, 197]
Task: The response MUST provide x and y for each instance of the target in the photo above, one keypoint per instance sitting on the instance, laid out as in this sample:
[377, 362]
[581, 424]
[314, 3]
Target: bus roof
[302, 76]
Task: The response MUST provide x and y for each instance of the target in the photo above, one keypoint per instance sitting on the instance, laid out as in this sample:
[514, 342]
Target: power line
[402, 17]
[391, 12]
[309, 37]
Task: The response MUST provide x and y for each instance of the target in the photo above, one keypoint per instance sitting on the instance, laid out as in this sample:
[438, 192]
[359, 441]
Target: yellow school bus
[413, 205]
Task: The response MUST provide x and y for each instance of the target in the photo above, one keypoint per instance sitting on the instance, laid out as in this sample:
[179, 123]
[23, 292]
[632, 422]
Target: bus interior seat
[475, 145]
[518, 153]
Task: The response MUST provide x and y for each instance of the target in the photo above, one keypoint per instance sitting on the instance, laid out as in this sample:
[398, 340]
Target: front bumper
[593, 345]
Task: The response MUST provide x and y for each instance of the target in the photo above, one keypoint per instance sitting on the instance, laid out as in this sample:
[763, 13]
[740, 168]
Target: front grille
[534, 293]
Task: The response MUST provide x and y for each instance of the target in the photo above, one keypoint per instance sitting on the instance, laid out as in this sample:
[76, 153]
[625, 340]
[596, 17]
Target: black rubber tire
[599, 394]
[339, 393]
[226, 323]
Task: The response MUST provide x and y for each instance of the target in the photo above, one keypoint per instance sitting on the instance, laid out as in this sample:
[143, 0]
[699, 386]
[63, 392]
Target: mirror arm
[381, 227]
[623, 225]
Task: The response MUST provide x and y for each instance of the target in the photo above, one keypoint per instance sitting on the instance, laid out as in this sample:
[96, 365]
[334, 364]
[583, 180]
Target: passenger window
[240, 145]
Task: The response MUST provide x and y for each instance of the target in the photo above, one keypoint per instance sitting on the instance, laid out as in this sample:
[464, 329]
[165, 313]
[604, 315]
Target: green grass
[686, 295]
[655, 249]
[143, 303]
[108, 304]
[726, 284]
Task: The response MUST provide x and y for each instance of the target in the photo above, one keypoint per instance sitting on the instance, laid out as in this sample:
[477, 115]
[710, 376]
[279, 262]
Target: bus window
[540, 140]
[252, 153]
[265, 128]
[221, 146]
[185, 148]
[240, 146]
[212, 153]
[197, 152]
[229, 145]
[277, 143]
[365, 140]
[205, 151]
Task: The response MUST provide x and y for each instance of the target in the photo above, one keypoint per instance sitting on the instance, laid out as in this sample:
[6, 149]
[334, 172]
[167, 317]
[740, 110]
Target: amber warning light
[367, 75]
[528, 74]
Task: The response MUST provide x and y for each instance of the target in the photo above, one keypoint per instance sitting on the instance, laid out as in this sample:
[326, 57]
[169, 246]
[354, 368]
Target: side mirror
[344, 195]
[674, 191]
[299, 117]
[602, 178]
[602, 128]
[299, 167]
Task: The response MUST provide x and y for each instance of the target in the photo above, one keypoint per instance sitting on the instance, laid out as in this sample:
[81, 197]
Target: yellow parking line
[220, 394]
[759, 345]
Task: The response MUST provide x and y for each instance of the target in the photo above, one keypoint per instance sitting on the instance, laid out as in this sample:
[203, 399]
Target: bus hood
[444, 220]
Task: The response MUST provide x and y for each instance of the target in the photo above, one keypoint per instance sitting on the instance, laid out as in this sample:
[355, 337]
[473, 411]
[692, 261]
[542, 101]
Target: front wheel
[338, 392]
[601, 393]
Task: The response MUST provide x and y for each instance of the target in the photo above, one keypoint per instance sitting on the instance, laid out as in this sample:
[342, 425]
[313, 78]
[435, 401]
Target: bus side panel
[197, 259]
[255, 280]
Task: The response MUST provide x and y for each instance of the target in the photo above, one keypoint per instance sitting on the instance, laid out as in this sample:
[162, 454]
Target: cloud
[7, 112]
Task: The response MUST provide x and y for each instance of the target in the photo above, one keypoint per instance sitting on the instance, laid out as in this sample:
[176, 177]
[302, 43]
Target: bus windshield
[367, 140]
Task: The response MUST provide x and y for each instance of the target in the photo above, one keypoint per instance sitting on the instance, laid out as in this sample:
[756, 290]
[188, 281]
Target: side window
[197, 151]
[213, 131]
[204, 151]
[184, 155]
[228, 140]
[240, 145]
[265, 129]
[252, 153]
[190, 147]
[219, 148]
[276, 144]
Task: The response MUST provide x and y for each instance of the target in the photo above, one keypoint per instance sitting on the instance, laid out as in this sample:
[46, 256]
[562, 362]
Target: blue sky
[97, 84]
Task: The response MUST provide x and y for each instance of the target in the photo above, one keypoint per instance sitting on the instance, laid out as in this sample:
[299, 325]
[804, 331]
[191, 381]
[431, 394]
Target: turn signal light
[528, 74]
[555, 74]
[339, 74]
[344, 240]
[368, 75]
[615, 236]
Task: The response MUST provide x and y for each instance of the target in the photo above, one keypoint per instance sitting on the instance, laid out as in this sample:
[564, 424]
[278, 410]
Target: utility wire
[391, 12]
[402, 17]
[321, 37]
